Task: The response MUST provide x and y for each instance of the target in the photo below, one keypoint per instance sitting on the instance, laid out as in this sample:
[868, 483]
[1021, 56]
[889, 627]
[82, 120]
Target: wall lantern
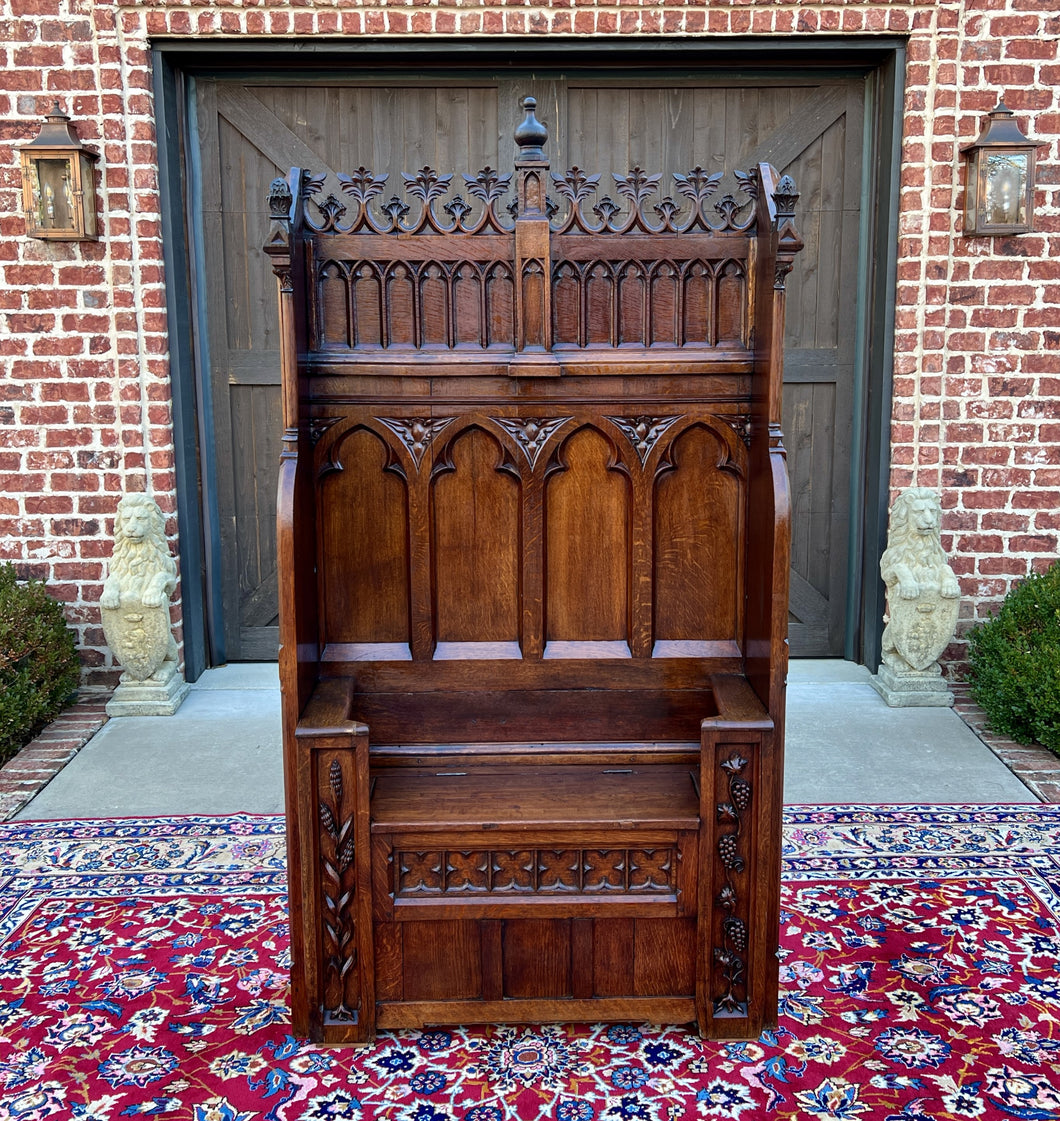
[58, 188]
[999, 188]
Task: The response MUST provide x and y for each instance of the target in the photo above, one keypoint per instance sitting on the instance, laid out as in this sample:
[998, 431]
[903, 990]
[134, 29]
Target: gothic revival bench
[533, 541]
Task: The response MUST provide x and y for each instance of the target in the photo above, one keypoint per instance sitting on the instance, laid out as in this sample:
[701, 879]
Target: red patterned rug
[143, 971]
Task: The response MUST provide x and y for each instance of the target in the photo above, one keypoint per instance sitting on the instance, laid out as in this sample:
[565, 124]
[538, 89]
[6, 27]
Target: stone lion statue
[922, 593]
[135, 599]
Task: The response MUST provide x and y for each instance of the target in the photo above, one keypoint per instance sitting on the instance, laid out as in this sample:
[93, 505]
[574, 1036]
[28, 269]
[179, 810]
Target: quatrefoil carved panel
[514, 871]
[420, 873]
[558, 870]
[650, 868]
[466, 871]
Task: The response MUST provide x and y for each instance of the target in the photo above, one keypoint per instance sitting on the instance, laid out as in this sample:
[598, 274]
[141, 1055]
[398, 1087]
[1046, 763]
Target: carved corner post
[295, 532]
[295, 518]
[741, 778]
[284, 204]
[533, 262]
[769, 541]
[780, 197]
[737, 969]
[338, 972]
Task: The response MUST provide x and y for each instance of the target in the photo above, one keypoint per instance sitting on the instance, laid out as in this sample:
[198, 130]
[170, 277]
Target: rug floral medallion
[144, 966]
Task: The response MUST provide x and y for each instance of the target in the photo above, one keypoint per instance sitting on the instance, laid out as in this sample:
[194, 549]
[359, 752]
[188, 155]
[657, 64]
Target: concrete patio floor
[221, 752]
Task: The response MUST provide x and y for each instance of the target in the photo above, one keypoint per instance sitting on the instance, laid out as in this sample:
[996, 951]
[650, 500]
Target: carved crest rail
[535, 277]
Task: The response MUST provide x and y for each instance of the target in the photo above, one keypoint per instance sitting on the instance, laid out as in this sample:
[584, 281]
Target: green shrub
[1015, 662]
[39, 668]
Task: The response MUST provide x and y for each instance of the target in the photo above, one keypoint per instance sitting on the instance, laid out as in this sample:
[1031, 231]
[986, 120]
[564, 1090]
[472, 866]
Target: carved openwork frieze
[684, 291]
[639, 206]
[338, 891]
[428, 190]
[536, 872]
[638, 209]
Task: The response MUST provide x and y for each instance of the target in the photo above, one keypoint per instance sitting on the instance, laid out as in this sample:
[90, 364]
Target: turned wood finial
[280, 199]
[531, 135]
[785, 196]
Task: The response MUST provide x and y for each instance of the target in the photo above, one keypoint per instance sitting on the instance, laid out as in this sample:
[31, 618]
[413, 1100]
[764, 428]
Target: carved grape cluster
[728, 956]
[736, 930]
[740, 789]
[727, 850]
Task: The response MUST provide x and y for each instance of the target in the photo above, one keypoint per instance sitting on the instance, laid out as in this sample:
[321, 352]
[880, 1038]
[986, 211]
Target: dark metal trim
[850, 51]
[167, 83]
[196, 260]
[879, 383]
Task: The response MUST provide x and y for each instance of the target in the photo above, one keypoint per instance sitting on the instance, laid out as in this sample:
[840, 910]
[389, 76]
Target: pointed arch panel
[588, 521]
[475, 526]
[364, 544]
[698, 542]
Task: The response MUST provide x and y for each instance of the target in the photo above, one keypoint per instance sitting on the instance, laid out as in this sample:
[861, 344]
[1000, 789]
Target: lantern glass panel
[1003, 193]
[86, 181]
[53, 194]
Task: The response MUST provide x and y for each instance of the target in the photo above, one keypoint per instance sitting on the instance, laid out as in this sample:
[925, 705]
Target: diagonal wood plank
[261, 606]
[788, 142]
[805, 602]
[266, 131]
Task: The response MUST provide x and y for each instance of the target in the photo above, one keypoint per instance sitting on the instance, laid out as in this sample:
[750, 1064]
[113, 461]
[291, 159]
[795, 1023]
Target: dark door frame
[881, 60]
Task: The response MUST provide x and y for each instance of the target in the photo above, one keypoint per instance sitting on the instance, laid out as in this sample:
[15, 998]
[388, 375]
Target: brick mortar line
[1034, 765]
[927, 122]
[28, 772]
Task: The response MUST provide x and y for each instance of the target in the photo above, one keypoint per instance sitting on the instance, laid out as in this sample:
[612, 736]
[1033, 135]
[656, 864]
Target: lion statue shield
[923, 597]
[135, 602]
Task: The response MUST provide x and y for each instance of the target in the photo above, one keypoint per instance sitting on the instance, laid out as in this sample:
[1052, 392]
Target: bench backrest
[532, 447]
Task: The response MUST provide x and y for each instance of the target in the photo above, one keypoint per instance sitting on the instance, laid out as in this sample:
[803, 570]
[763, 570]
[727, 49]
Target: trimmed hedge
[1015, 662]
[39, 667]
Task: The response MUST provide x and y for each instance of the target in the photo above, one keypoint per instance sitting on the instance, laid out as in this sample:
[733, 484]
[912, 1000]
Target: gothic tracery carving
[416, 433]
[643, 432]
[531, 433]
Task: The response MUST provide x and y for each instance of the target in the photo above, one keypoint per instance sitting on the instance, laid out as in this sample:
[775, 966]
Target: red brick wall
[84, 394]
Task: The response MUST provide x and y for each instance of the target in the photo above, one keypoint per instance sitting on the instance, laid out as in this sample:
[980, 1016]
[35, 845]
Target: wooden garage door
[248, 132]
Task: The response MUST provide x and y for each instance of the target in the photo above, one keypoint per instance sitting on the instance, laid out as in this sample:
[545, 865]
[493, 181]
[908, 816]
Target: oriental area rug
[143, 972]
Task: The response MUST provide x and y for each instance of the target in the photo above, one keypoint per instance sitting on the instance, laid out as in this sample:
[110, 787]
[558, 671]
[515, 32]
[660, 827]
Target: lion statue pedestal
[923, 601]
[135, 613]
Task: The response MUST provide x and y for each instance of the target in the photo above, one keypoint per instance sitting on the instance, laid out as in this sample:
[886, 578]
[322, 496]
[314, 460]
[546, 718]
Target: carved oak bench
[533, 540]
